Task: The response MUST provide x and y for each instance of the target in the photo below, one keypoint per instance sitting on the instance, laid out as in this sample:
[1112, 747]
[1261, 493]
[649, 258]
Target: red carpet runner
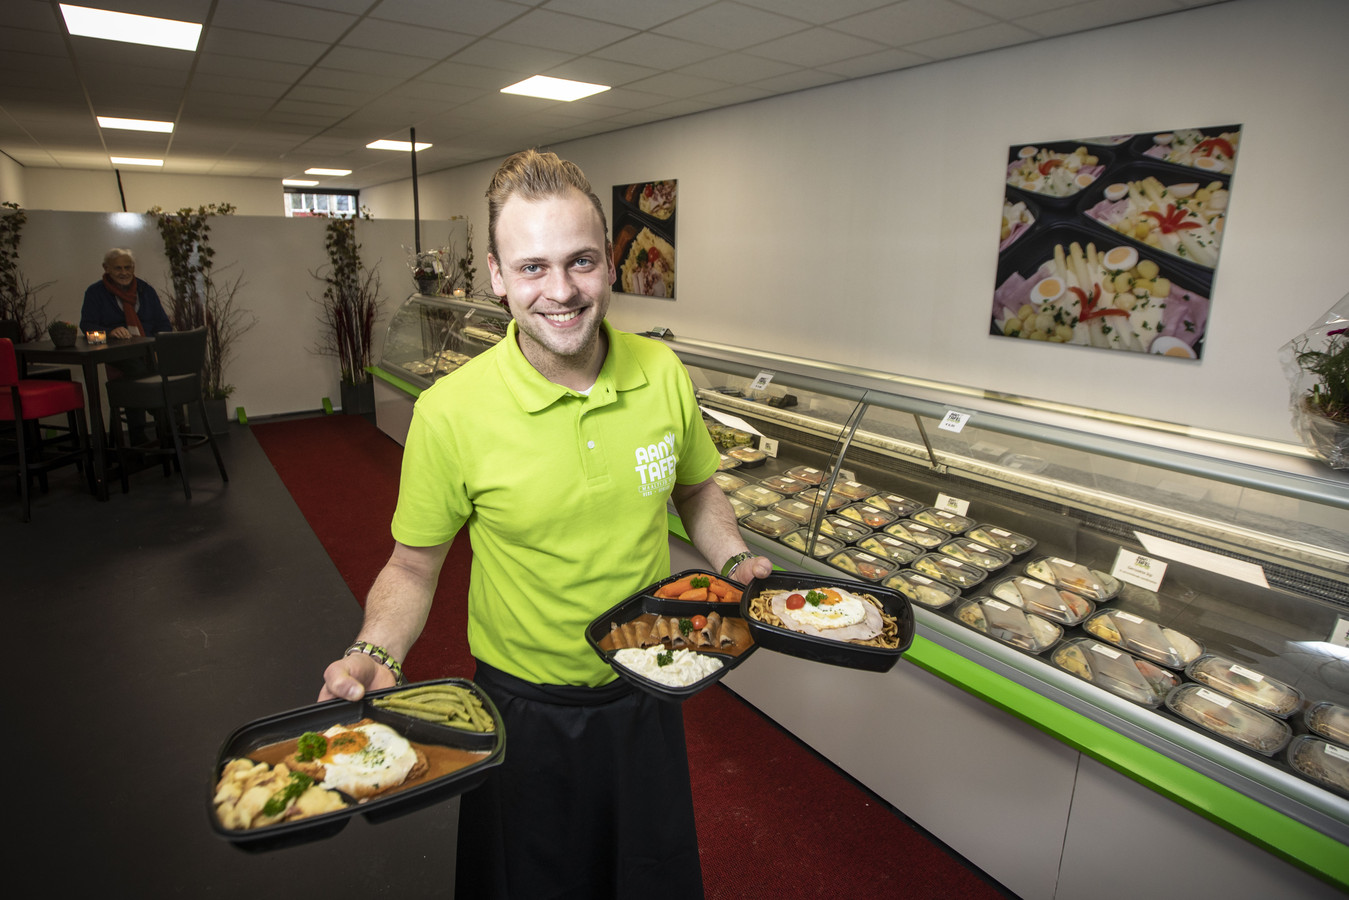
[774, 821]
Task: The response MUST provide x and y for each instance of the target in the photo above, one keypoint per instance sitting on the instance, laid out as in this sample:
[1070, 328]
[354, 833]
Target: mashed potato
[683, 669]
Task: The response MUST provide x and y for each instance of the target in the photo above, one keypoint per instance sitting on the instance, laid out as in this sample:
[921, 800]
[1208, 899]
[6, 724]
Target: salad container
[1116, 671]
[1229, 719]
[1164, 646]
[1247, 685]
[1009, 624]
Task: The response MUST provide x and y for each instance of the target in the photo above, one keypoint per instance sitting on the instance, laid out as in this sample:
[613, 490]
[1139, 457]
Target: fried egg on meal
[365, 758]
[840, 614]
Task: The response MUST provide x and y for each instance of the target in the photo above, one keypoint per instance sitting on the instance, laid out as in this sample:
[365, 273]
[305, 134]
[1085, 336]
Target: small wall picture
[644, 238]
[1112, 242]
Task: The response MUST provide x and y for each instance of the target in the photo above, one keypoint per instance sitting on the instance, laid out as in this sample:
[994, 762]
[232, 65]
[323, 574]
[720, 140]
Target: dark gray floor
[142, 632]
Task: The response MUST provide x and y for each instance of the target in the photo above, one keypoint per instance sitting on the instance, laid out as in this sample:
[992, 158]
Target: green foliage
[19, 300]
[1330, 394]
[351, 300]
[186, 235]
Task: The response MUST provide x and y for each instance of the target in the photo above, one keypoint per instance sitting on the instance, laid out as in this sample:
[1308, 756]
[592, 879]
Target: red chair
[24, 401]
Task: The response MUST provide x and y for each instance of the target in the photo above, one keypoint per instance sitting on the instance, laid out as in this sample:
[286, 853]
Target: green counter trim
[1286, 838]
[405, 386]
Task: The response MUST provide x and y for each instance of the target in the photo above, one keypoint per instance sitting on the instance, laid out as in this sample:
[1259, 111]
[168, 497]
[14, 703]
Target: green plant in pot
[63, 333]
[20, 300]
[348, 311]
[1317, 363]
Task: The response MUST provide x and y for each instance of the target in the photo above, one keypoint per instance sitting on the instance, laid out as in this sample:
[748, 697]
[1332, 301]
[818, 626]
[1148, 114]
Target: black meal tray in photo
[1140, 145]
[644, 602]
[1104, 157]
[320, 716]
[822, 649]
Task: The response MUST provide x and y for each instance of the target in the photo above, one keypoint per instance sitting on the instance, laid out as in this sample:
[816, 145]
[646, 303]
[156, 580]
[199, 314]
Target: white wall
[97, 191]
[857, 222]
[11, 182]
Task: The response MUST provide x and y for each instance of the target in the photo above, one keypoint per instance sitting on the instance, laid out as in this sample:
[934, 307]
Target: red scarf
[128, 297]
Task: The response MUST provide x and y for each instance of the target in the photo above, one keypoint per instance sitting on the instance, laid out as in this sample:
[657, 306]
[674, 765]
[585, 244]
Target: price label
[761, 381]
[1140, 570]
[952, 504]
[769, 445]
[954, 421]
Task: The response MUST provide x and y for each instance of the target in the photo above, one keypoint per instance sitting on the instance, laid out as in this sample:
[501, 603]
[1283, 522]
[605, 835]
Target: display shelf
[429, 336]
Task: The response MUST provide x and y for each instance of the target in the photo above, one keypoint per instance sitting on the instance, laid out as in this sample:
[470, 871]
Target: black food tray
[644, 602]
[826, 650]
[318, 717]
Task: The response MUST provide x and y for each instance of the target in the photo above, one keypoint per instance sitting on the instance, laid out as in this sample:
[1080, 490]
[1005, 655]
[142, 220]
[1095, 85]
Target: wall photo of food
[644, 238]
[1113, 242]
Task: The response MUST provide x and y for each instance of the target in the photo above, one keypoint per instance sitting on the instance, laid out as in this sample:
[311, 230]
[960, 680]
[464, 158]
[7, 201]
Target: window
[299, 203]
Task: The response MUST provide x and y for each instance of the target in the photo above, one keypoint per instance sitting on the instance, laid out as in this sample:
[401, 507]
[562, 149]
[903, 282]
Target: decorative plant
[1329, 395]
[226, 321]
[61, 326]
[464, 274]
[186, 235]
[20, 300]
[351, 300]
[1317, 365]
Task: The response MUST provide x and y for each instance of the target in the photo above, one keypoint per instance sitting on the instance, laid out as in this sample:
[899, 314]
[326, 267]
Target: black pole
[416, 206]
[121, 193]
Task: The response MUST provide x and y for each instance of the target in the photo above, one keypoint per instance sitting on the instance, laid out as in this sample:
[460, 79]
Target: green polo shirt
[564, 494]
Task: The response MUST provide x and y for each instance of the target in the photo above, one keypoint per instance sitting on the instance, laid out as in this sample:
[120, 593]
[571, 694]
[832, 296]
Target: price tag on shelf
[1135, 568]
[770, 446]
[954, 421]
[952, 504]
[761, 381]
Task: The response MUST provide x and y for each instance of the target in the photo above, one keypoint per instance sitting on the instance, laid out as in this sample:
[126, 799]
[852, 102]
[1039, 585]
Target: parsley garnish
[685, 626]
[814, 598]
[700, 581]
[664, 659]
[277, 803]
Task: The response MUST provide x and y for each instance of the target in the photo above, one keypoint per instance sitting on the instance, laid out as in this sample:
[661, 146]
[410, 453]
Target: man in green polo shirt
[558, 450]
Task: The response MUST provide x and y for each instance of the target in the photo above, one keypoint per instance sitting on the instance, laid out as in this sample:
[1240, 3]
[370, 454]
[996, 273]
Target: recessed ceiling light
[133, 161]
[327, 171]
[554, 88]
[405, 146]
[298, 182]
[115, 26]
[135, 124]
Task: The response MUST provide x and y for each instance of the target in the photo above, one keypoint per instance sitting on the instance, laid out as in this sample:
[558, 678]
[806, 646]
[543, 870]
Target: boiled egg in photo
[1166, 345]
[1120, 259]
[1047, 289]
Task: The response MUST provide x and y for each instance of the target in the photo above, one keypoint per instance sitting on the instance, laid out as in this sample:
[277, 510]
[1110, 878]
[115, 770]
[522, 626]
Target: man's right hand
[351, 676]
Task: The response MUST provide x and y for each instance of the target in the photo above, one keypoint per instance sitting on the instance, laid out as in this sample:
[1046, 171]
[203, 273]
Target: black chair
[179, 356]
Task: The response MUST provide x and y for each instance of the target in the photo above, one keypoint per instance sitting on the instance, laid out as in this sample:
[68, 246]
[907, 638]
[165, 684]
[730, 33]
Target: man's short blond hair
[536, 175]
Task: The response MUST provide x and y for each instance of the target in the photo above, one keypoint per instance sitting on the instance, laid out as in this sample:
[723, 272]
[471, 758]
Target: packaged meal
[921, 589]
[1035, 596]
[824, 546]
[853, 490]
[925, 536]
[726, 463]
[1229, 719]
[1145, 637]
[813, 495]
[868, 515]
[748, 456]
[944, 519]
[969, 551]
[784, 484]
[843, 529]
[1006, 623]
[769, 523]
[757, 495]
[892, 548]
[864, 565]
[1330, 720]
[740, 507]
[797, 510]
[1247, 685]
[808, 474]
[1076, 577]
[1001, 539]
[728, 482]
[1321, 761]
[1116, 671]
[894, 503]
[949, 569]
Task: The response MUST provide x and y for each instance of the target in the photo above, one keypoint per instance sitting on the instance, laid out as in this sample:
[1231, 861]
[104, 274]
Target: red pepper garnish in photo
[1048, 165]
[1171, 220]
[1208, 145]
[1088, 304]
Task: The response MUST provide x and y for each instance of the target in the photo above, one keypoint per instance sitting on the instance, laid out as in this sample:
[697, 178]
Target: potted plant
[20, 301]
[1317, 363]
[63, 333]
[348, 312]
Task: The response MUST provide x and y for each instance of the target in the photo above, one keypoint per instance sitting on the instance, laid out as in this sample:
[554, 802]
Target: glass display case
[1026, 534]
[431, 335]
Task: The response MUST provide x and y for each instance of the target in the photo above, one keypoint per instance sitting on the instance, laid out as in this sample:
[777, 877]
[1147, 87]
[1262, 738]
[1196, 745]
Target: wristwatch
[729, 566]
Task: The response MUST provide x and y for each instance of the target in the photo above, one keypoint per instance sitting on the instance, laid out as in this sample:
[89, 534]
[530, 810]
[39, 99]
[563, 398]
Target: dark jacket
[102, 311]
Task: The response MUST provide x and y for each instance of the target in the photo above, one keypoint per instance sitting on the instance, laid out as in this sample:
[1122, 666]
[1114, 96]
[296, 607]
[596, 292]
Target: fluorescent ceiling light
[554, 88]
[298, 182]
[327, 171]
[405, 146]
[133, 161]
[135, 124]
[115, 26]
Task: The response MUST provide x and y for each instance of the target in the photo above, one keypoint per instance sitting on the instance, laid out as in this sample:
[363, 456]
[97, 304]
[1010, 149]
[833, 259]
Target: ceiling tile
[600, 71]
[1097, 14]
[816, 47]
[286, 19]
[375, 62]
[572, 34]
[675, 84]
[522, 61]
[657, 50]
[730, 26]
[798, 81]
[476, 17]
[248, 45]
[875, 63]
[912, 21]
[397, 37]
[976, 40]
[818, 13]
[739, 68]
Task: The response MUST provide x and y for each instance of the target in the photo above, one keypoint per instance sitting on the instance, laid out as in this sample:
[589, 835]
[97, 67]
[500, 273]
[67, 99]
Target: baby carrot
[694, 594]
[675, 588]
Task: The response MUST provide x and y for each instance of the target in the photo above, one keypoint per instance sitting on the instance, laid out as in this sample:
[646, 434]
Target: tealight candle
[458, 292]
[96, 337]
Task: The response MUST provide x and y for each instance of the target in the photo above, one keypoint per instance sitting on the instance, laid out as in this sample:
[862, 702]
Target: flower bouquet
[1317, 365]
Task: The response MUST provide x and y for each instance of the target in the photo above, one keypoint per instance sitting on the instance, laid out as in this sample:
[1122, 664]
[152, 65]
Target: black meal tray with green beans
[440, 717]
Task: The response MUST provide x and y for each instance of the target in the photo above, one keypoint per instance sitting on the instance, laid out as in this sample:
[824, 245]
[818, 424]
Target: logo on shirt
[656, 466]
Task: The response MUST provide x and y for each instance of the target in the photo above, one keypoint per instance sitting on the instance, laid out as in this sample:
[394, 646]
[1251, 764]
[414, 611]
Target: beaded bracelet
[379, 655]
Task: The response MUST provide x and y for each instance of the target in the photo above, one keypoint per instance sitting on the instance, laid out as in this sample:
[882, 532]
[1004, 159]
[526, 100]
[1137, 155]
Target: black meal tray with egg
[827, 650]
[645, 601]
[1104, 157]
[1141, 143]
[321, 716]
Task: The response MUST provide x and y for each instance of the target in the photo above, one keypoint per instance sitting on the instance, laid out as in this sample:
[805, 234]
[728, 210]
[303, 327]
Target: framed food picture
[1112, 242]
[644, 238]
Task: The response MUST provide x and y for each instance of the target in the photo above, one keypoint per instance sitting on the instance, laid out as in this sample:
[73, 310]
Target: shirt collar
[621, 371]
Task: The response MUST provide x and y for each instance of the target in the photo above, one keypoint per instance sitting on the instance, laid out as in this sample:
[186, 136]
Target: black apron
[592, 801]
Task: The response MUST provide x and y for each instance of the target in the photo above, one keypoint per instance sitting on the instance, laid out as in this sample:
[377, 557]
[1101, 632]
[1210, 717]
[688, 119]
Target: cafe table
[88, 357]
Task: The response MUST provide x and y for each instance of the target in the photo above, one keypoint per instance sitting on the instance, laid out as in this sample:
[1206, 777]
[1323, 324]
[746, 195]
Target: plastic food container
[864, 565]
[837, 652]
[748, 456]
[1009, 624]
[798, 511]
[1329, 720]
[925, 536]
[949, 569]
[740, 507]
[643, 604]
[729, 483]
[1116, 671]
[727, 463]
[920, 589]
[1320, 761]
[897, 504]
[1064, 573]
[808, 474]
[770, 523]
[813, 496]
[844, 529]
[824, 546]
[1035, 596]
[852, 490]
[757, 495]
[981, 555]
[1247, 685]
[1229, 719]
[868, 515]
[1145, 637]
[1001, 539]
[891, 548]
[784, 484]
[248, 738]
[944, 519]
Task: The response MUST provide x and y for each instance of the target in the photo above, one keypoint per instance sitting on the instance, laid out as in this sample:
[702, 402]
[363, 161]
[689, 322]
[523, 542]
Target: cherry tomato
[698, 622]
[795, 601]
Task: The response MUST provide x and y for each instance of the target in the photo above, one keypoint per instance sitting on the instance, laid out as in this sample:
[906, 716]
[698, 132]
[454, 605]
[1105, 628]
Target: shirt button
[590, 445]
